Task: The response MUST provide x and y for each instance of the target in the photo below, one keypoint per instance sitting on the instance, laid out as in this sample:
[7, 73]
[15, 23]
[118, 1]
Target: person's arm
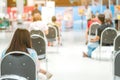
[34, 56]
[3, 54]
[110, 14]
[95, 39]
[30, 27]
[46, 32]
[45, 29]
[86, 34]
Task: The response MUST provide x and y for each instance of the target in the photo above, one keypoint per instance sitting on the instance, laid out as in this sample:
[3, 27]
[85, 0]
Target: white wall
[30, 2]
[48, 11]
[3, 8]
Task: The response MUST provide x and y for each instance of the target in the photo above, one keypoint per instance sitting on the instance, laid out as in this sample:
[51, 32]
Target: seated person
[94, 43]
[38, 24]
[57, 26]
[92, 20]
[21, 41]
[36, 10]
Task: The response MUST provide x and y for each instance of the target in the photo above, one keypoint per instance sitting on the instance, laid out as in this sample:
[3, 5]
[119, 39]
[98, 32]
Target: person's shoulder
[42, 23]
[55, 24]
[100, 27]
[103, 26]
[36, 23]
[32, 23]
[36, 11]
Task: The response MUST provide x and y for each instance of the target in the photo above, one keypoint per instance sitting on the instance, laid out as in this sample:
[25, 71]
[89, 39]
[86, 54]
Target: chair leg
[114, 78]
[58, 48]
[46, 61]
[99, 53]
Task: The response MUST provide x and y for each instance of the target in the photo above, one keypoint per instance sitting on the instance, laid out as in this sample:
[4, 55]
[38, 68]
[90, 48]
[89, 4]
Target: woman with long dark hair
[21, 41]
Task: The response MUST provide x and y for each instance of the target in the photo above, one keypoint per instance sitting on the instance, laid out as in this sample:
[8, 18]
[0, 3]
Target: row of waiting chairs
[108, 37]
[39, 40]
[51, 36]
[19, 63]
[20, 66]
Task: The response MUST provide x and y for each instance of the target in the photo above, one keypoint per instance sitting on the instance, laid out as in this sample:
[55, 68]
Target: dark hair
[101, 17]
[36, 10]
[21, 41]
[53, 19]
[36, 5]
[93, 16]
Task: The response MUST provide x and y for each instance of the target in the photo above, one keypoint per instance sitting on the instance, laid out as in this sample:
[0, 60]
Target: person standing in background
[59, 18]
[116, 16]
[108, 13]
[96, 14]
[87, 12]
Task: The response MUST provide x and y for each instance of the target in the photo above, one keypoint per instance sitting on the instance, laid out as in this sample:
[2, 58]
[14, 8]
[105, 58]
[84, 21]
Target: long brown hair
[21, 41]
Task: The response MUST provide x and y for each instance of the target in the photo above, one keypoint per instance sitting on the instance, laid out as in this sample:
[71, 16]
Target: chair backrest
[20, 64]
[117, 43]
[57, 29]
[39, 44]
[93, 28]
[52, 33]
[107, 36]
[12, 77]
[39, 32]
[117, 64]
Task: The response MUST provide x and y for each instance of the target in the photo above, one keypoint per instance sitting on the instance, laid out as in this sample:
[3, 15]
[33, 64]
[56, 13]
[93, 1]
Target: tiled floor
[69, 64]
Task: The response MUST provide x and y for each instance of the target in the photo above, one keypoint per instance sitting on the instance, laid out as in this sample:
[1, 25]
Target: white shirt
[88, 13]
[38, 25]
[108, 14]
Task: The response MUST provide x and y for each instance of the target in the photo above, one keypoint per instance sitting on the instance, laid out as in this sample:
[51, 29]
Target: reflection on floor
[68, 63]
